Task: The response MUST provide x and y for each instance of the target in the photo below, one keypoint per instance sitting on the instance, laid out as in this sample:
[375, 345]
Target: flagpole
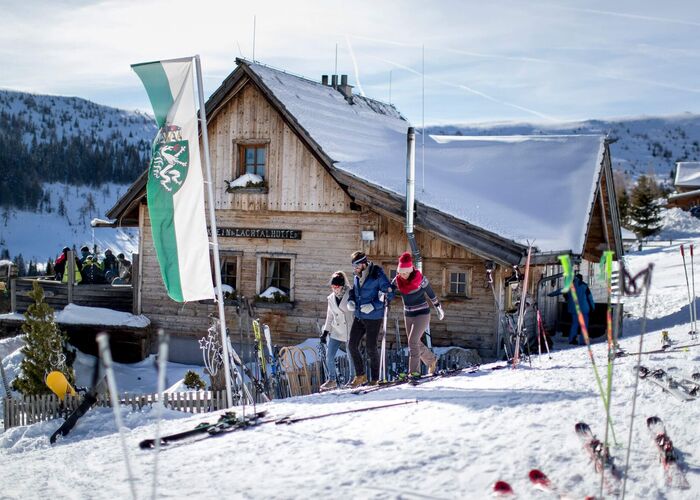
[215, 241]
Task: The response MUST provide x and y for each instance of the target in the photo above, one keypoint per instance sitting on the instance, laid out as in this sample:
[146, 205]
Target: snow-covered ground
[461, 435]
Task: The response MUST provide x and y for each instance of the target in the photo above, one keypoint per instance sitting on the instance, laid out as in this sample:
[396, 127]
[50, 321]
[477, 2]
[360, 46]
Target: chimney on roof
[324, 79]
[334, 81]
[345, 89]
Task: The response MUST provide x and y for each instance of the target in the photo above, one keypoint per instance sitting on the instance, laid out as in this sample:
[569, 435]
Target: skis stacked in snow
[681, 389]
[228, 422]
[674, 476]
[600, 455]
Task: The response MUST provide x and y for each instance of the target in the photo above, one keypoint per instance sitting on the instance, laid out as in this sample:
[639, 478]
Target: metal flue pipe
[411, 196]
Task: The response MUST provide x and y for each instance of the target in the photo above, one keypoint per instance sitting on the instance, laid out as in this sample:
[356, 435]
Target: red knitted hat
[405, 262]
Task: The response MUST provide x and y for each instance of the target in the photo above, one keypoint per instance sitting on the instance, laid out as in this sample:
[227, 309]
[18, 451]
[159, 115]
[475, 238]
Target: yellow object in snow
[59, 385]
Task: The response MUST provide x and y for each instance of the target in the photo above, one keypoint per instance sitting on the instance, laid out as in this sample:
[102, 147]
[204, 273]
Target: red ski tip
[538, 477]
[502, 488]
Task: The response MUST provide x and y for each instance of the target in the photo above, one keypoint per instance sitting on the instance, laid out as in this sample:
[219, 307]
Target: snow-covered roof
[536, 188]
[74, 314]
[687, 174]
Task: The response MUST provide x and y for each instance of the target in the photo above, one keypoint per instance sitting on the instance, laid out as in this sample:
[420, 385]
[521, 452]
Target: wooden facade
[330, 209]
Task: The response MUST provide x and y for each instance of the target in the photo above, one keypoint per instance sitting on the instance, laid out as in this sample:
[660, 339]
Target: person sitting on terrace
[124, 277]
[92, 271]
[110, 265]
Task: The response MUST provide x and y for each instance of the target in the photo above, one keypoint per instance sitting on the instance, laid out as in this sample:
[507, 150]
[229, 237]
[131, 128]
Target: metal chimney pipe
[334, 81]
[324, 79]
[411, 195]
[343, 79]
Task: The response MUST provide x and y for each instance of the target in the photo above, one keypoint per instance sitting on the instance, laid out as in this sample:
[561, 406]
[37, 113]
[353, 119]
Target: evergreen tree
[644, 211]
[45, 348]
[50, 271]
[623, 205]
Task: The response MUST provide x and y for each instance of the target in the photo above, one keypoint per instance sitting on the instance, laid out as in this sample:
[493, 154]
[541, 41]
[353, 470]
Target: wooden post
[135, 288]
[13, 295]
[70, 269]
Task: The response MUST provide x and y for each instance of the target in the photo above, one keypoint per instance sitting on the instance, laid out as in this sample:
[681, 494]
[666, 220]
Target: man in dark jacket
[368, 298]
[585, 302]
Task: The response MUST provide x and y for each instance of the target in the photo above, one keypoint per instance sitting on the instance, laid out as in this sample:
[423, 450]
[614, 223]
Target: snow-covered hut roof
[687, 174]
[536, 188]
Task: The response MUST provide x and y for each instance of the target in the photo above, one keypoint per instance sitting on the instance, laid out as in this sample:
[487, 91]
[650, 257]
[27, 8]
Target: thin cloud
[472, 91]
[626, 15]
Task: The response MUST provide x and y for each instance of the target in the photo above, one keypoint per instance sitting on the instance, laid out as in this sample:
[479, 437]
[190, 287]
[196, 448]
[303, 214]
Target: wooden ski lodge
[332, 171]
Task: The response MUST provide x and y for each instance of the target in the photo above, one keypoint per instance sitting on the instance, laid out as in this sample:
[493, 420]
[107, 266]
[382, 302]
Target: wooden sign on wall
[252, 232]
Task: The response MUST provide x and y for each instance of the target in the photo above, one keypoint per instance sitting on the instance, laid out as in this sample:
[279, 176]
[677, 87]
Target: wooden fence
[33, 409]
[301, 375]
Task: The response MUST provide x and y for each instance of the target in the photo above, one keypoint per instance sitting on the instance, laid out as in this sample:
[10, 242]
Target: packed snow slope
[460, 435]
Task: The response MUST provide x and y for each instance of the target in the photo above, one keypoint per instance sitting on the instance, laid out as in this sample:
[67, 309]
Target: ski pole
[382, 359]
[634, 289]
[606, 272]
[568, 286]
[106, 356]
[289, 420]
[692, 273]
[163, 340]
[687, 285]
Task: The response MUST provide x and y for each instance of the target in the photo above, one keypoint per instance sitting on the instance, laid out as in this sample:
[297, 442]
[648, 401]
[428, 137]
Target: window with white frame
[275, 274]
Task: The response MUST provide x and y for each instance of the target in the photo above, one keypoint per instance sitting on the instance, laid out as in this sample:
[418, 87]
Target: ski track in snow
[464, 433]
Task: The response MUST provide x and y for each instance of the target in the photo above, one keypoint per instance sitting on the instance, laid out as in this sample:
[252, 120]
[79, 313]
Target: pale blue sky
[499, 60]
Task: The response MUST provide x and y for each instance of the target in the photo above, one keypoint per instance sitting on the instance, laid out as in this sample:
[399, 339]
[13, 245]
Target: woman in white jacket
[338, 324]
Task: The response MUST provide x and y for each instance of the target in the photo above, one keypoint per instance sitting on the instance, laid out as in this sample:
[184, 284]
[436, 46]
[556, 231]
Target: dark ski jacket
[368, 292]
[585, 297]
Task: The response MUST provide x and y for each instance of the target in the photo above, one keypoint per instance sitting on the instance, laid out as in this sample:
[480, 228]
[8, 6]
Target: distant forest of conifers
[76, 160]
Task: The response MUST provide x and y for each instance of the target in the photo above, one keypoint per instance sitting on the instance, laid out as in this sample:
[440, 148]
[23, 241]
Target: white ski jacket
[338, 318]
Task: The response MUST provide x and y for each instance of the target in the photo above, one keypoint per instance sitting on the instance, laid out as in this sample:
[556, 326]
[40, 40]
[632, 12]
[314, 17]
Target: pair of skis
[681, 388]
[268, 369]
[230, 422]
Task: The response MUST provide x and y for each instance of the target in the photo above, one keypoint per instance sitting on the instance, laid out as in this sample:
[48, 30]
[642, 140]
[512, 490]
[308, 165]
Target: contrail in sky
[629, 16]
[354, 63]
[472, 91]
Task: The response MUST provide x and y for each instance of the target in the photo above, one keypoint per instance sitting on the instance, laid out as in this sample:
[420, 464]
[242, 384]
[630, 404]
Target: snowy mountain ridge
[64, 117]
[641, 145]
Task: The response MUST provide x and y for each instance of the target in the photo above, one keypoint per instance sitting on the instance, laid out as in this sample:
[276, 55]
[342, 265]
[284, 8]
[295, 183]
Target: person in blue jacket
[586, 303]
[368, 297]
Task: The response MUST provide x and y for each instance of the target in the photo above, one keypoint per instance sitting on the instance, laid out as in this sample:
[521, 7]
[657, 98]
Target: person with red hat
[414, 287]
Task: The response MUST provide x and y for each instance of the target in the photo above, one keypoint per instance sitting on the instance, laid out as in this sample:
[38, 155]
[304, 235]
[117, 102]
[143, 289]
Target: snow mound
[677, 224]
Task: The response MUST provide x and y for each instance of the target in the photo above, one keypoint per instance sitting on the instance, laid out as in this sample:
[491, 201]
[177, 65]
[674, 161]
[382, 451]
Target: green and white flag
[175, 188]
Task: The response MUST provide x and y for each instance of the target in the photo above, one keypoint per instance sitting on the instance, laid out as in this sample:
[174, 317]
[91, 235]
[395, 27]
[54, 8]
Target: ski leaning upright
[674, 476]
[600, 455]
[89, 399]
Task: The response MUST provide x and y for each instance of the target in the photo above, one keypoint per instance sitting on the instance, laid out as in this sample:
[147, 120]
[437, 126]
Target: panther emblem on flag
[170, 158]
